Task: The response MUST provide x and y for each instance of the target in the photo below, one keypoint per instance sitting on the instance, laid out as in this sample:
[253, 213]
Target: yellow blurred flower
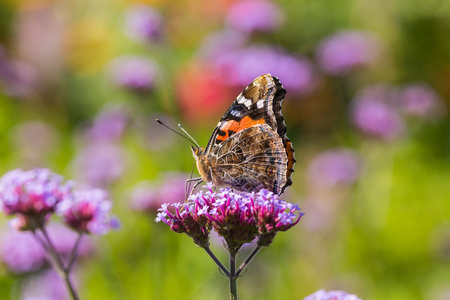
[90, 45]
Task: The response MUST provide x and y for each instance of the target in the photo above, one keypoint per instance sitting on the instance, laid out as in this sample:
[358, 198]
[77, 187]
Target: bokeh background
[368, 93]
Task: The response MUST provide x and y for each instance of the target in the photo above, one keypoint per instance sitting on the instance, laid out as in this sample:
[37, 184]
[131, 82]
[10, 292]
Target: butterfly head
[197, 151]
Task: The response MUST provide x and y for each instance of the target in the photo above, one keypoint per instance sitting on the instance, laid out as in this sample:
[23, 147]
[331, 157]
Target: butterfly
[249, 150]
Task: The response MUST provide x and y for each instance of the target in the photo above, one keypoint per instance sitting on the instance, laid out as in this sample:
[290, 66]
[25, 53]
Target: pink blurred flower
[134, 73]
[99, 164]
[241, 66]
[419, 100]
[220, 43]
[254, 16]
[87, 211]
[346, 50]
[335, 167]
[109, 125]
[374, 114]
[21, 252]
[143, 23]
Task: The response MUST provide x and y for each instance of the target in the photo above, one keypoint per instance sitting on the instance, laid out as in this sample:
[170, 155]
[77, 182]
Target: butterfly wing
[252, 159]
[259, 105]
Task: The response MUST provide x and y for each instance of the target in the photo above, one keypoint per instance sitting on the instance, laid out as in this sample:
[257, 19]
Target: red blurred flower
[203, 95]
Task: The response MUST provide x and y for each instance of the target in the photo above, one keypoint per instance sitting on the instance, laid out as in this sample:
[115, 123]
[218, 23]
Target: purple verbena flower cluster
[238, 218]
[34, 195]
[88, 211]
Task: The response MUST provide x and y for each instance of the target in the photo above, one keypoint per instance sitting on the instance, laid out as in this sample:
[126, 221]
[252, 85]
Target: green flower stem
[55, 257]
[232, 277]
[216, 260]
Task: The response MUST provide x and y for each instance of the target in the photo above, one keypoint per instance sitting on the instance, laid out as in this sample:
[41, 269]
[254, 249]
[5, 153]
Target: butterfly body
[248, 149]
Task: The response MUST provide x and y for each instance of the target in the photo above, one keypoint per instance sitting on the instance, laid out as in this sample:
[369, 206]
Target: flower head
[144, 24]
[87, 211]
[254, 16]
[347, 50]
[238, 218]
[134, 73]
[331, 295]
[188, 218]
[32, 194]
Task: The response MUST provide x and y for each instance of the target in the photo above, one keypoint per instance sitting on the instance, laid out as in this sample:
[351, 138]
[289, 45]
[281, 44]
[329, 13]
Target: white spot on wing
[248, 103]
[235, 113]
[260, 104]
[241, 99]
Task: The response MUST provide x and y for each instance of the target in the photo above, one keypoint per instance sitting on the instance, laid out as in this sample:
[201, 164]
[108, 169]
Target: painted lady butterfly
[249, 149]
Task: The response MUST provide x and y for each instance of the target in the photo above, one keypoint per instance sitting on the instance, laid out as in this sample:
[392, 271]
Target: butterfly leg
[188, 182]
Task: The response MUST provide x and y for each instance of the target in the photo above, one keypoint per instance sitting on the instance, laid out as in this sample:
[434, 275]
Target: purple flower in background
[221, 42]
[242, 66]
[144, 24]
[254, 16]
[373, 114]
[331, 295]
[169, 188]
[46, 285]
[134, 73]
[109, 125]
[21, 252]
[419, 100]
[87, 211]
[32, 194]
[100, 164]
[335, 167]
[346, 50]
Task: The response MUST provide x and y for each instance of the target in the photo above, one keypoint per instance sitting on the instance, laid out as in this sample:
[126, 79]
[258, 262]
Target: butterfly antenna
[179, 125]
[188, 137]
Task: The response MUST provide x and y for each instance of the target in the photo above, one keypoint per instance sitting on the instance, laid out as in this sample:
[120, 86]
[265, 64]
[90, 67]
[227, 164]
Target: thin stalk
[232, 277]
[74, 252]
[216, 260]
[247, 260]
[53, 253]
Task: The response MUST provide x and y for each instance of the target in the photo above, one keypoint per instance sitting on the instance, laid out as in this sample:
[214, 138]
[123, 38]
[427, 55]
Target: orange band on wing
[235, 126]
